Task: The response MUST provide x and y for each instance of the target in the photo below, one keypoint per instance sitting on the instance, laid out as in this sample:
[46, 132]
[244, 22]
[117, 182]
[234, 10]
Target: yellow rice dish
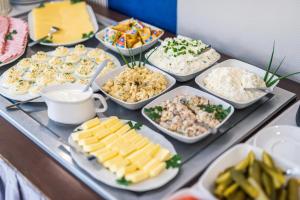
[72, 18]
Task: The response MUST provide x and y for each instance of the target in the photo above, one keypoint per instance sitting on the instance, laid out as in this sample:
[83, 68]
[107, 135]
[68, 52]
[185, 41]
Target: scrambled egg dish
[136, 84]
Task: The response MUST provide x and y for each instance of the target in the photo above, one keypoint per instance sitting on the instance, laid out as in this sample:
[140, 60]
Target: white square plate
[178, 77]
[186, 90]
[136, 105]
[234, 63]
[131, 51]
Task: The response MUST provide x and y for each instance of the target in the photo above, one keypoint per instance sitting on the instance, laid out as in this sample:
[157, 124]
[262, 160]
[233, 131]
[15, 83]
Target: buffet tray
[31, 119]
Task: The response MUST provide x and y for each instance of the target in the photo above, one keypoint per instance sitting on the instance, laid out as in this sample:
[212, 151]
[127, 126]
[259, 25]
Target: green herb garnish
[136, 126]
[269, 75]
[76, 1]
[133, 61]
[123, 181]
[9, 35]
[87, 35]
[219, 112]
[174, 162]
[154, 113]
[41, 5]
[47, 40]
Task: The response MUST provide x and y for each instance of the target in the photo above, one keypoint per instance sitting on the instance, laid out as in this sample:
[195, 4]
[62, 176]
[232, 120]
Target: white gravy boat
[67, 104]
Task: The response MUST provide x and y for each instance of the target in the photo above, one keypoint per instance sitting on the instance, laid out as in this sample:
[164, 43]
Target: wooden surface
[46, 173]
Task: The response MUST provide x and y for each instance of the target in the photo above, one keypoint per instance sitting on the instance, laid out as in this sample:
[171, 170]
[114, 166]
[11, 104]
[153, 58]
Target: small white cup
[73, 112]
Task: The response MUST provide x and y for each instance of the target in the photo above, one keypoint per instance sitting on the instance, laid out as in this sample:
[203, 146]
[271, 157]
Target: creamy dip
[230, 82]
[183, 56]
[68, 95]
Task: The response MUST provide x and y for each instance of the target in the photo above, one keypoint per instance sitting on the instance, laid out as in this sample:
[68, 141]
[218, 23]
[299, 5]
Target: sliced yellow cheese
[106, 155]
[117, 163]
[102, 133]
[137, 176]
[72, 19]
[123, 171]
[93, 147]
[141, 161]
[129, 135]
[127, 150]
[151, 149]
[99, 151]
[136, 138]
[123, 130]
[87, 141]
[142, 143]
[115, 127]
[163, 154]
[115, 144]
[81, 135]
[91, 123]
[157, 169]
[110, 121]
[109, 139]
[150, 165]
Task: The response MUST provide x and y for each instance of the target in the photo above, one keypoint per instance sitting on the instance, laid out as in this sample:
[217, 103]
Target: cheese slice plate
[93, 21]
[6, 92]
[102, 174]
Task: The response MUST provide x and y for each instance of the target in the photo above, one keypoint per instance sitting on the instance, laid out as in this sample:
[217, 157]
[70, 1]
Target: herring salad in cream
[230, 82]
[183, 56]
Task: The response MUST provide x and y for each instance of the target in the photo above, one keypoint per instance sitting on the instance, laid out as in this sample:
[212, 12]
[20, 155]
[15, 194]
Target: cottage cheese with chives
[183, 56]
[229, 82]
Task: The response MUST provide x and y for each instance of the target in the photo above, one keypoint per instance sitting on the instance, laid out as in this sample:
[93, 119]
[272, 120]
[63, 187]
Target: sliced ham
[16, 46]
[4, 26]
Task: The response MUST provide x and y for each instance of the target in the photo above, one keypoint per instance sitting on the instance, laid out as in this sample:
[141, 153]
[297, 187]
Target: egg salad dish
[63, 65]
[72, 19]
[136, 84]
[121, 149]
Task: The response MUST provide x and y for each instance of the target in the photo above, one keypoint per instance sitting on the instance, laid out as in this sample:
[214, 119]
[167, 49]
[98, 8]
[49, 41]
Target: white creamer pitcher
[67, 103]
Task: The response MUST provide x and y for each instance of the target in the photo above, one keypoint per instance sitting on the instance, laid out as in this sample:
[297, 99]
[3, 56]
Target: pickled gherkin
[252, 179]
[292, 188]
[240, 179]
[255, 171]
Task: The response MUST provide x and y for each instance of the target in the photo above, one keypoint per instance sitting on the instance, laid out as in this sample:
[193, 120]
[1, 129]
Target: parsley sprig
[136, 126]
[9, 35]
[87, 35]
[76, 1]
[123, 181]
[219, 112]
[47, 39]
[174, 162]
[154, 113]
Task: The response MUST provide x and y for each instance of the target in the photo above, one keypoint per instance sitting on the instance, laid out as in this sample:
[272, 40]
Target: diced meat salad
[188, 115]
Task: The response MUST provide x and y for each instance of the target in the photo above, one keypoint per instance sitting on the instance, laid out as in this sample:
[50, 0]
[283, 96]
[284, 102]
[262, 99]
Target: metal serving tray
[32, 120]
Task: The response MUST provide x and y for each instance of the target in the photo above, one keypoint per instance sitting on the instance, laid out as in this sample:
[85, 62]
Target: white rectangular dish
[136, 105]
[231, 158]
[92, 18]
[193, 64]
[239, 64]
[131, 51]
[186, 90]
